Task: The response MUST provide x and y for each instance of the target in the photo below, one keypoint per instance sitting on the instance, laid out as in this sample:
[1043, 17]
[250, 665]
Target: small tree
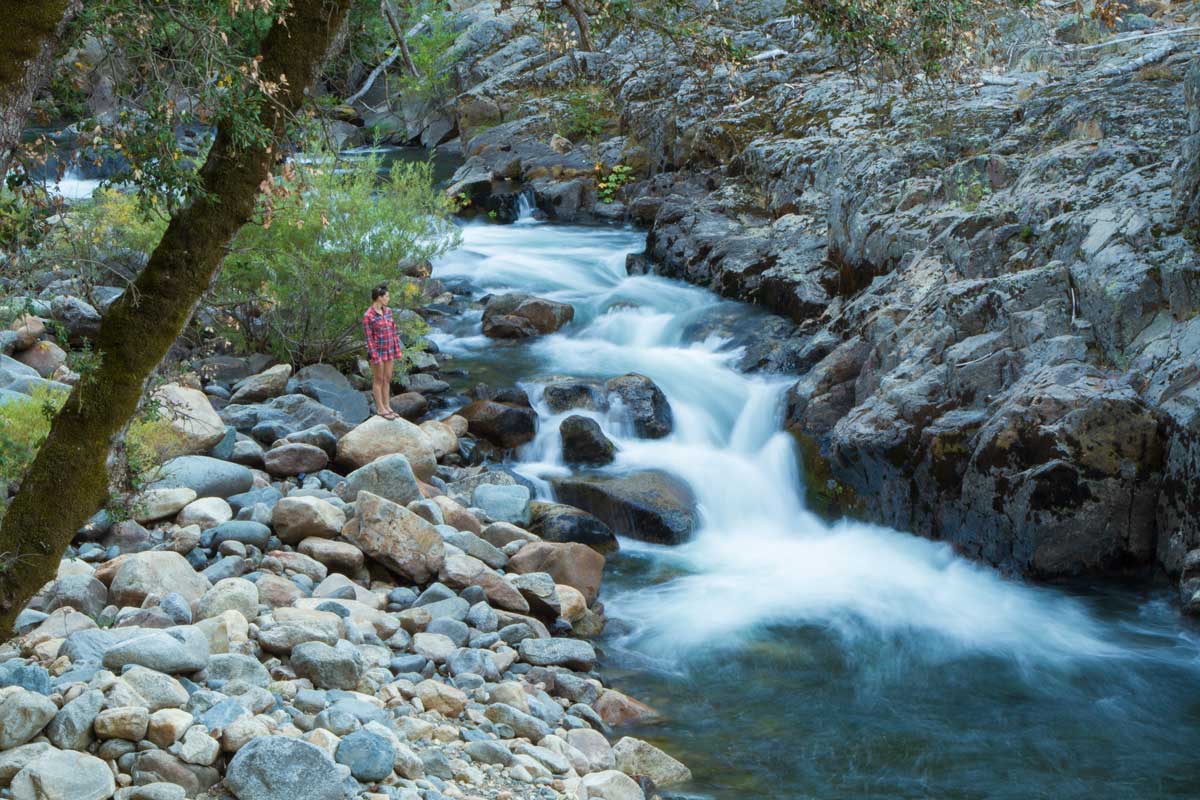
[297, 282]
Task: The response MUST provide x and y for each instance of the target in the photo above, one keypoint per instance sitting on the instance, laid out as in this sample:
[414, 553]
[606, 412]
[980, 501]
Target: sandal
[389, 414]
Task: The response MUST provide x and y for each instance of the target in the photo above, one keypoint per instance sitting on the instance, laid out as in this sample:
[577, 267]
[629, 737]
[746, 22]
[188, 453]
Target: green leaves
[298, 282]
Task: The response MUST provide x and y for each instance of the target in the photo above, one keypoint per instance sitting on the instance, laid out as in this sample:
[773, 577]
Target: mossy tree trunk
[28, 46]
[68, 480]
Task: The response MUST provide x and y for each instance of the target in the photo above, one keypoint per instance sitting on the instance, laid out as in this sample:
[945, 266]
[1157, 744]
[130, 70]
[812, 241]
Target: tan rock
[191, 417]
[456, 515]
[302, 564]
[572, 601]
[395, 537]
[637, 758]
[460, 571]
[443, 439]
[45, 357]
[127, 722]
[155, 504]
[226, 632]
[278, 592]
[441, 697]
[263, 386]
[458, 425]
[168, 726]
[156, 572]
[29, 329]
[616, 708]
[379, 437]
[298, 518]
[338, 556]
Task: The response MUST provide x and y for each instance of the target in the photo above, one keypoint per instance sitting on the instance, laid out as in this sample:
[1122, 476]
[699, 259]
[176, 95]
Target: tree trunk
[68, 480]
[581, 20]
[28, 47]
[397, 26]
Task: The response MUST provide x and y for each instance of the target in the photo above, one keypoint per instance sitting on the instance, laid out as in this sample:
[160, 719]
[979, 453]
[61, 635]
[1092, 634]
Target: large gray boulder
[280, 768]
[332, 389]
[390, 477]
[207, 477]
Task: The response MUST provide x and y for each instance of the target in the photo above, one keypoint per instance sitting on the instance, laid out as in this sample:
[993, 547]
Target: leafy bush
[24, 425]
[296, 284]
[151, 441]
[585, 114]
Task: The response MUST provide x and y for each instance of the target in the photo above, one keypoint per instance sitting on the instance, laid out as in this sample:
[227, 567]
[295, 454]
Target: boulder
[519, 316]
[459, 571]
[64, 775]
[154, 504]
[180, 650]
[644, 403]
[191, 417]
[378, 437]
[390, 477]
[298, 518]
[637, 758]
[506, 425]
[331, 388]
[338, 556]
[280, 768]
[650, 505]
[570, 563]
[206, 476]
[295, 459]
[205, 513]
[575, 654]
[338, 667]
[368, 754]
[555, 522]
[23, 714]
[584, 443]
[263, 386]
[444, 440]
[156, 572]
[503, 503]
[44, 357]
[395, 537]
[609, 785]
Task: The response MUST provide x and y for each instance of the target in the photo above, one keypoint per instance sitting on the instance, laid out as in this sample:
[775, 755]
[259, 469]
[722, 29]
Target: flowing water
[792, 658]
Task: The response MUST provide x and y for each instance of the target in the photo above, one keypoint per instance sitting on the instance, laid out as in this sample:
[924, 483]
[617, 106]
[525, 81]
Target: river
[792, 658]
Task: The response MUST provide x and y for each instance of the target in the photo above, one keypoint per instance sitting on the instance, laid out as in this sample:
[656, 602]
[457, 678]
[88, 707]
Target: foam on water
[760, 558]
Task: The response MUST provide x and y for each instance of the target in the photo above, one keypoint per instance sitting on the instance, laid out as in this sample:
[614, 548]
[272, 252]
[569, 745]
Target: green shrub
[586, 113]
[24, 425]
[297, 283]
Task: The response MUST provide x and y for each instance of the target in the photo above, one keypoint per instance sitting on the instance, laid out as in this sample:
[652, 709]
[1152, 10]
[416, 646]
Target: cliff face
[993, 284]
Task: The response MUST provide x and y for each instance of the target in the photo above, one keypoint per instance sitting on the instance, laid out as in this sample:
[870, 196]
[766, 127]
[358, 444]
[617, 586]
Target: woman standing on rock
[383, 348]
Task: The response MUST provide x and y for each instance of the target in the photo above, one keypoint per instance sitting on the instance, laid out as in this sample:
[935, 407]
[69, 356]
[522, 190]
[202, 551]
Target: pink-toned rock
[395, 537]
[460, 571]
[571, 563]
[456, 515]
[277, 592]
[156, 572]
[617, 709]
[443, 439]
[45, 357]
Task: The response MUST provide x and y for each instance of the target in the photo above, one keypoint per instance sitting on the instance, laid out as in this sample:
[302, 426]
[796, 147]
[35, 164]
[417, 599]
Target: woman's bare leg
[377, 388]
[388, 366]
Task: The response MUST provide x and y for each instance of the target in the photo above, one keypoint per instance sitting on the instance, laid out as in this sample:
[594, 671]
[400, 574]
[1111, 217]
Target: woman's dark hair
[378, 292]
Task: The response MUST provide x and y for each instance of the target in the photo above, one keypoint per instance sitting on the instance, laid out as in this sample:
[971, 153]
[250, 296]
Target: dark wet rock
[644, 403]
[506, 425]
[583, 442]
[651, 505]
[555, 522]
[520, 316]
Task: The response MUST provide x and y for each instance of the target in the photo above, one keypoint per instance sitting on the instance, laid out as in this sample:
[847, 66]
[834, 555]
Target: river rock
[444, 440]
[280, 768]
[519, 316]
[156, 572]
[253, 534]
[71, 728]
[570, 563]
[23, 714]
[295, 459]
[338, 556]
[395, 537]
[460, 570]
[555, 522]
[644, 403]
[153, 504]
[81, 592]
[298, 518]
[180, 650]
[327, 667]
[369, 755]
[329, 387]
[158, 690]
[207, 477]
[637, 758]
[126, 722]
[522, 724]
[378, 437]
[44, 357]
[390, 477]
[196, 425]
[574, 654]
[230, 594]
[651, 505]
[584, 443]
[263, 386]
[503, 503]
[506, 425]
[64, 775]
[205, 513]
[610, 785]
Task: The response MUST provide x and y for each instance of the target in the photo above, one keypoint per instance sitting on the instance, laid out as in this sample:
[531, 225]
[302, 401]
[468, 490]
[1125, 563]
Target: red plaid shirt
[383, 344]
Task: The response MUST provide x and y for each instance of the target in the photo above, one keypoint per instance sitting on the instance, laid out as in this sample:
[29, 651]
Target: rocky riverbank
[987, 287]
[309, 601]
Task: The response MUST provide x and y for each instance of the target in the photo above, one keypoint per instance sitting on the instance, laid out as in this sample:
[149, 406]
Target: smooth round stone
[244, 531]
[176, 606]
[207, 477]
[280, 768]
[368, 755]
[64, 775]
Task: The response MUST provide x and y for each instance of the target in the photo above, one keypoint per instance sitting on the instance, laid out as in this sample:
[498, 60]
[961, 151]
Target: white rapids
[759, 557]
